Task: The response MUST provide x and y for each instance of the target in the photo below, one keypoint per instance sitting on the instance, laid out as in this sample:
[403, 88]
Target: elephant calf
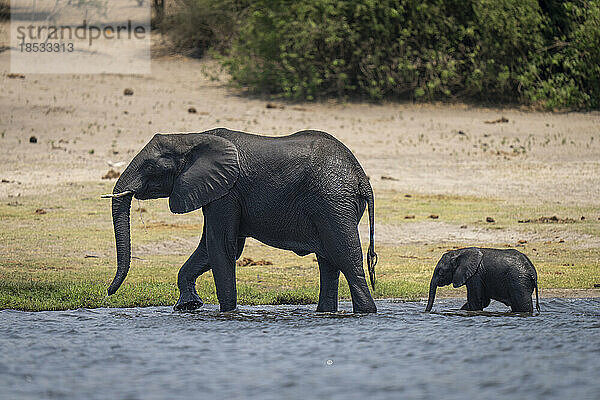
[506, 275]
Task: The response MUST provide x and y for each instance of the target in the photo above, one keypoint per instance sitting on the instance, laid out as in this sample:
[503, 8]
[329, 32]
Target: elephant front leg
[195, 266]
[222, 258]
[222, 242]
[328, 292]
[476, 298]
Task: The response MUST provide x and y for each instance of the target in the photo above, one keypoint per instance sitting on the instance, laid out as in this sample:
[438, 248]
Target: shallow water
[274, 352]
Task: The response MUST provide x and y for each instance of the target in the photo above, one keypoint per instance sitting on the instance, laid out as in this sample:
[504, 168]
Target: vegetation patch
[65, 258]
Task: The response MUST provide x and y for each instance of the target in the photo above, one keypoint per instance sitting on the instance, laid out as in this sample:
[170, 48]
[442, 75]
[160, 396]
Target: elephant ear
[467, 262]
[210, 169]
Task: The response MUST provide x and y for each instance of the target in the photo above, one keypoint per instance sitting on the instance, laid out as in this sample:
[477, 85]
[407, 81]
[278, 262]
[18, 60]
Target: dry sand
[83, 122]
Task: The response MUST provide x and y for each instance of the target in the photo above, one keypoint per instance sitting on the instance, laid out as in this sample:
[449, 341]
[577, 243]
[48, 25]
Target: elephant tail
[371, 255]
[537, 298]
[534, 279]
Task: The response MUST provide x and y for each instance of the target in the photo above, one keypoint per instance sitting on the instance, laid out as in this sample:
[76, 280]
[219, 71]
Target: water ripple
[273, 352]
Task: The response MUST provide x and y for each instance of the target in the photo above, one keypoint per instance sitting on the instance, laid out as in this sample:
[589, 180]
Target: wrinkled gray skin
[505, 275]
[304, 192]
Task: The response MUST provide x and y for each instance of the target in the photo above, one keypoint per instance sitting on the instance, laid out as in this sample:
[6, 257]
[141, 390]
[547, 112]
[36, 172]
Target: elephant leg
[476, 299]
[195, 266]
[241, 242]
[328, 292]
[222, 219]
[521, 301]
[342, 247]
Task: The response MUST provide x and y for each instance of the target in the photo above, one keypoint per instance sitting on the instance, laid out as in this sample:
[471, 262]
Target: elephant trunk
[120, 213]
[432, 288]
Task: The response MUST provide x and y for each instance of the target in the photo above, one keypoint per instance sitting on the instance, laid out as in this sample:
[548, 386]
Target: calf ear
[467, 262]
[210, 170]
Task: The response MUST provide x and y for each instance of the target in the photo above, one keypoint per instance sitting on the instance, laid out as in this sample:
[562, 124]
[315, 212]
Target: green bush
[198, 25]
[541, 52]
[566, 72]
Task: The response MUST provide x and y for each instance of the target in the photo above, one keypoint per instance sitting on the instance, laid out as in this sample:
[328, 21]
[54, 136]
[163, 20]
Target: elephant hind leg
[521, 302]
[342, 248]
[328, 292]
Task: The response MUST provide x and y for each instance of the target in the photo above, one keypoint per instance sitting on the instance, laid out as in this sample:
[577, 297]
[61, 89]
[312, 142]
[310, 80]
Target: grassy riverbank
[58, 249]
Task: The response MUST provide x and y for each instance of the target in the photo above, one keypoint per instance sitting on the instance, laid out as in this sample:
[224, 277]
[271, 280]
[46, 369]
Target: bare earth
[84, 123]
[418, 148]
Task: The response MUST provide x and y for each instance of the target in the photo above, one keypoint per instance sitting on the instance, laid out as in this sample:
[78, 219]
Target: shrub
[543, 52]
[199, 25]
[566, 72]
[407, 49]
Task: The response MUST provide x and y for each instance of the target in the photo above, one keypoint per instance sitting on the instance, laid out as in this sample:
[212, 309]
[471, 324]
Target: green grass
[43, 264]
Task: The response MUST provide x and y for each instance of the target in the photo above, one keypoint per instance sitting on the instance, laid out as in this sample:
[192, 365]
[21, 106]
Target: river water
[291, 352]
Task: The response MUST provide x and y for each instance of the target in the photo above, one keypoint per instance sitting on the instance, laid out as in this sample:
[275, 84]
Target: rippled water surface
[274, 352]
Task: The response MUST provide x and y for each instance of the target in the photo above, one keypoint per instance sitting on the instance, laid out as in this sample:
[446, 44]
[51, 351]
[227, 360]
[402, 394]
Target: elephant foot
[327, 306]
[365, 310]
[364, 306]
[188, 304]
[332, 308]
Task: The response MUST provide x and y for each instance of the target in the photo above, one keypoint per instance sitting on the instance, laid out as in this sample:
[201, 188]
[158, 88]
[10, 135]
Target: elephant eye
[164, 164]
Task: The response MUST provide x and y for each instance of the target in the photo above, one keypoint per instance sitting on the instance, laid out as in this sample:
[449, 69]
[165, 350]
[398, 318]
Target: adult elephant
[305, 192]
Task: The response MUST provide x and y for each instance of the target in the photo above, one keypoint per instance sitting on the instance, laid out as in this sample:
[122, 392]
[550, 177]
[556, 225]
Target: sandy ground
[84, 124]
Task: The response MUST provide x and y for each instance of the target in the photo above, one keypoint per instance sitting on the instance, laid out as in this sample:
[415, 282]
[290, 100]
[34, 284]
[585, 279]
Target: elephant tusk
[115, 195]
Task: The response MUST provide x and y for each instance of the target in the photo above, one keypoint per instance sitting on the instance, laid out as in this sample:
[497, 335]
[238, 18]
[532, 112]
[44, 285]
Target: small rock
[490, 219]
[91, 256]
[15, 76]
[140, 210]
[40, 211]
[561, 241]
[522, 241]
[33, 139]
[111, 174]
[410, 195]
[5, 180]
[434, 216]
[388, 178]
[463, 227]
[192, 110]
[272, 105]
[409, 217]
[462, 133]
[128, 92]
[582, 218]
